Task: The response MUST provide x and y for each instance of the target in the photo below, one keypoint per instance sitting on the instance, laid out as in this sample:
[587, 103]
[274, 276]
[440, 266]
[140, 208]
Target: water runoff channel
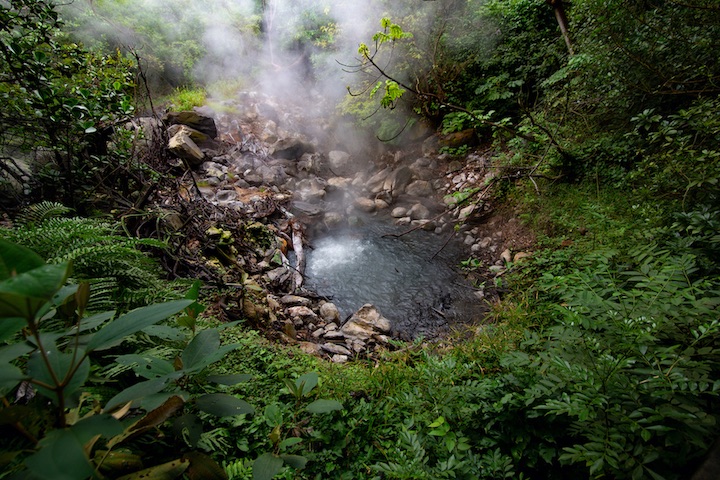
[413, 279]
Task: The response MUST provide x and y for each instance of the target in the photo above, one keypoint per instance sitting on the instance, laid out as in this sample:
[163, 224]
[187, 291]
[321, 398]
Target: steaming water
[422, 296]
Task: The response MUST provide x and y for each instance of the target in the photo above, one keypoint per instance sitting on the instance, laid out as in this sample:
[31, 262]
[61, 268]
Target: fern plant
[112, 262]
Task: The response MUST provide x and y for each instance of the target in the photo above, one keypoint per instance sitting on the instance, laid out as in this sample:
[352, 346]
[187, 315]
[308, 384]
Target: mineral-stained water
[420, 292]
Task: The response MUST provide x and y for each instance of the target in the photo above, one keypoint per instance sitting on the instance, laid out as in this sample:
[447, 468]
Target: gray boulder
[366, 323]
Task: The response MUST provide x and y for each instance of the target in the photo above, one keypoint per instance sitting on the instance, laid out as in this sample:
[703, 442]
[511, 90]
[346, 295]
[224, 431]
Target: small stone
[485, 242]
[294, 300]
[334, 335]
[333, 218]
[419, 212]
[466, 212]
[318, 333]
[330, 327]
[398, 212]
[309, 348]
[365, 205]
[381, 204]
[289, 330]
[339, 358]
[335, 348]
[420, 188]
[506, 256]
[330, 313]
[521, 256]
[302, 312]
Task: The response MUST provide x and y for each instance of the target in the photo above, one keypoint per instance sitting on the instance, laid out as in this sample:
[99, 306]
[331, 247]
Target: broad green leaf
[289, 442]
[324, 406]
[140, 390]
[146, 366]
[273, 415]
[134, 321]
[230, 379]
[9, 353]
[58, 369]
[295, 461]
[10, 326]
[165, 332]
[16, 259]
[24, 295]
[101, 424]
[204, 344]
[10, 375]
[61, 457]
[91, 322]
[305, 383]
[266, 466]
[223, 405]
[212, 357]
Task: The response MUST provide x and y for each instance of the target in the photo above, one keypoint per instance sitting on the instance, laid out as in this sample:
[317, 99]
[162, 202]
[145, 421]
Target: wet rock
[375, 183]
[420, 188]
[182, 146]
[398, 212]
[193, 119]
[419, 212]
[330, 313]
[365, 204]
[339, 183]
[307, 208]
[332, 219]
[341, 163]
[335, 335]
[196, 135]
[365, 323]
[430, 146]
[397, 181]
[381, 204]
[295, 300]
[291, 148]
[301, 312]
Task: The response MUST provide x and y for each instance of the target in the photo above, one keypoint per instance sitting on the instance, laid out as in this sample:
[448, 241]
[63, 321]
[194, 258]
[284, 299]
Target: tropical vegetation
[600, 360]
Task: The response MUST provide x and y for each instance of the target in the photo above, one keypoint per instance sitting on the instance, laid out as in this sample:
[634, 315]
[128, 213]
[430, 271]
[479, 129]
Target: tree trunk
[559, 7]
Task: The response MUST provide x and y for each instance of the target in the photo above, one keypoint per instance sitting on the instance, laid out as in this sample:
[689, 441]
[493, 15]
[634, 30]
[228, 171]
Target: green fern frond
[39, 212]
[102, 254]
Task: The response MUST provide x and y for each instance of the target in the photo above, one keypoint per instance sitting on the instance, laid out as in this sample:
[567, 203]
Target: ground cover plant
[600, 359]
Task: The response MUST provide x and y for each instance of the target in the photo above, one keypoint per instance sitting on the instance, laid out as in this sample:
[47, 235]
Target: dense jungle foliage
[601, 359]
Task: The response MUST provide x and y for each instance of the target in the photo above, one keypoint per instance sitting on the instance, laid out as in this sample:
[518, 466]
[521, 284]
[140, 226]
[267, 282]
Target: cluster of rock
[260, 162]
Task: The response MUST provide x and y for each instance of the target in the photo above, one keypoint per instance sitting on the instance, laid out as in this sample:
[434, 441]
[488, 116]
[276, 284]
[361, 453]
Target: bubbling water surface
[406, 278]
